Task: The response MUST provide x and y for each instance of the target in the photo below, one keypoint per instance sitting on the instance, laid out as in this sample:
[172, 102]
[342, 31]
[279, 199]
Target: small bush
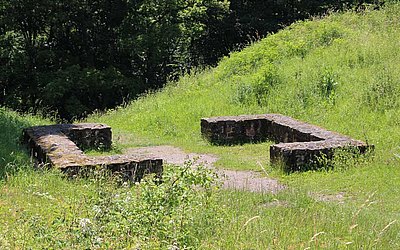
[328, 84]
[256, 88]
[150, 214]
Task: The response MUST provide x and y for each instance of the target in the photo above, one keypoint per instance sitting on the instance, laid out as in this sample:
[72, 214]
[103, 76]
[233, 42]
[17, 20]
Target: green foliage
[251, 20]
[155, 215]
[328, 85]
[106, 214]
[132, 46]
[72, 90]
[257, 86]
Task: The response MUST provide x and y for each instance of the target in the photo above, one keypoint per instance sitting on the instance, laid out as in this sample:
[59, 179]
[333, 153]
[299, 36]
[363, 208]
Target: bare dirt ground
[338, 198]
[231, 179]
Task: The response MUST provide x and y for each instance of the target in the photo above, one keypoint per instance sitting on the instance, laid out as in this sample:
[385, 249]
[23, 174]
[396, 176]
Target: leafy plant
[328, 84]
[154, 214]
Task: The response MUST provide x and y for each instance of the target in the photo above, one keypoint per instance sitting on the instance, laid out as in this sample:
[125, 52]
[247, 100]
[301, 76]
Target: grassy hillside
[340, 72]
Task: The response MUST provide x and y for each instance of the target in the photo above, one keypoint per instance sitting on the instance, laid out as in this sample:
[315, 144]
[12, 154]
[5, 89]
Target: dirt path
[231, 179]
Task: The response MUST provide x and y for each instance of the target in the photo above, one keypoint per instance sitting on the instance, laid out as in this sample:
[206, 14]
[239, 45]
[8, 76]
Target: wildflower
[85, 223]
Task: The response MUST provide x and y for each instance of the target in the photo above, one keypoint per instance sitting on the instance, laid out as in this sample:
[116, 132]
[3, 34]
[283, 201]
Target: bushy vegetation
[340, 72]
[72, 57]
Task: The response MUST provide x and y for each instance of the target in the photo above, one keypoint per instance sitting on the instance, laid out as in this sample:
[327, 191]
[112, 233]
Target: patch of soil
[231, 179]
[276, 203]
[339, 197]
[173, 155]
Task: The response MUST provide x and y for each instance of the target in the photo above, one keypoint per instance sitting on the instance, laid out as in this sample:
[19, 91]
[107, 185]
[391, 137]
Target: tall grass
[43, 210]
[12, 153]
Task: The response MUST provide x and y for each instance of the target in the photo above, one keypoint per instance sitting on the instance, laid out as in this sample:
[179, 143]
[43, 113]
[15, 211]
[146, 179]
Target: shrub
[150, 214]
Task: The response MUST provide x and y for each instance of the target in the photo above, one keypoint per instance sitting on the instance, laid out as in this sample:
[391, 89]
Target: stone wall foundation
[61, 147]
[300, 144]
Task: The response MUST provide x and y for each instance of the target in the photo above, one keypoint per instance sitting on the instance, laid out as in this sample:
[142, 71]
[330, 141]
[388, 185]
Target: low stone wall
[299, 144]
[60, 145]
[235, 129]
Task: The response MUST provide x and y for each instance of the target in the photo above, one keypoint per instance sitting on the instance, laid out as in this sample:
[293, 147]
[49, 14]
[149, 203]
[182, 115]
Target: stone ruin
[300, 145]
[61, 146]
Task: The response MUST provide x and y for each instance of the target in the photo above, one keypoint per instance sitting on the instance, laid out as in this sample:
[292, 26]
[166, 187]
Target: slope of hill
[340, 72]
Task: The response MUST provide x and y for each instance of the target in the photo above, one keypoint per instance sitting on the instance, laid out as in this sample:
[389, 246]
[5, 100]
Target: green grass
[340, 72]
[11, 152]
[44, 210]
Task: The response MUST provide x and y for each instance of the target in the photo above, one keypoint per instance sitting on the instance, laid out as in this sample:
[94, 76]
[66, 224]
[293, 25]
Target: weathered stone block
[234, 129]
[299, 144]
[89, 135]
[60, 146]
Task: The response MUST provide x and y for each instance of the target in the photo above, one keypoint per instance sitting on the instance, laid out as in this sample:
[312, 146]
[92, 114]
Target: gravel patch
[231, 179]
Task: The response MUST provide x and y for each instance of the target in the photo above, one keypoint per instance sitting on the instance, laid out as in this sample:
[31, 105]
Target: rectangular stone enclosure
[61, 146]
[300, 145]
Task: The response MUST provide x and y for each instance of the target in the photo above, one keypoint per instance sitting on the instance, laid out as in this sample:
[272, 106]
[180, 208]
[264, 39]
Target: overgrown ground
[340, 72]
